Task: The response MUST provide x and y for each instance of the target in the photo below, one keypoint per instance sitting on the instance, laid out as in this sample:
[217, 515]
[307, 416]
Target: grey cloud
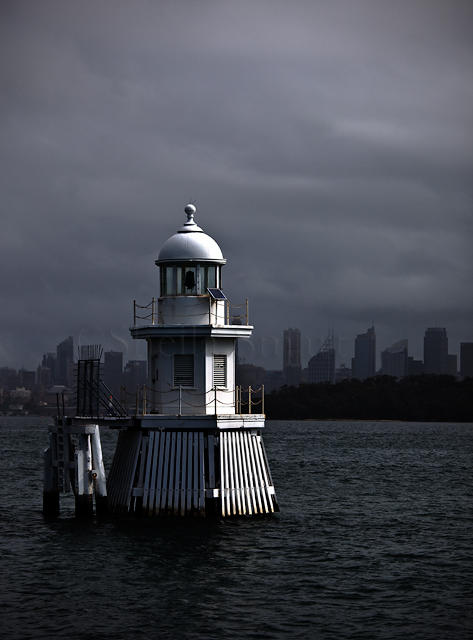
[328, 147]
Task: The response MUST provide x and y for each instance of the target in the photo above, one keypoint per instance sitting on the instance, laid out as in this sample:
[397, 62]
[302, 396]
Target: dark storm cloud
[328, 146]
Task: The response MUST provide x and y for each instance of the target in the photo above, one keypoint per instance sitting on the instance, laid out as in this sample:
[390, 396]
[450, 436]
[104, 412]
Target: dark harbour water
[374, 540]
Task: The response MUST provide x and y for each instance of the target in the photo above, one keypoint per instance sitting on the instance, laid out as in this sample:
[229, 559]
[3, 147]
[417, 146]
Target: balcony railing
[235, 314]
[149, 310]
[141, 401]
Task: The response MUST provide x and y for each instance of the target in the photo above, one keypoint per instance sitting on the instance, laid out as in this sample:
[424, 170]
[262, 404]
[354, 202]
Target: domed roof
[190, 243]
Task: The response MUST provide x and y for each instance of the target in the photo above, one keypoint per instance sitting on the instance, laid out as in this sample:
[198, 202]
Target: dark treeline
[424, 397]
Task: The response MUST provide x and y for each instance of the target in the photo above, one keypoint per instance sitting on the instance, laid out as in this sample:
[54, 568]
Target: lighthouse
[191, 450]
[191, 348]
[193, 443]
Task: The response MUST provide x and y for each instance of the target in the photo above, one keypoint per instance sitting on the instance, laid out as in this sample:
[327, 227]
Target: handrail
[153, 315]
[242, 316]
[241, 398]
[229, 312]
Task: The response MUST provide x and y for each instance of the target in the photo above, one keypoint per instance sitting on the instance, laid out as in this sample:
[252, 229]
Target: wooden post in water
[50, 483]
[98, 474]
[84, 481]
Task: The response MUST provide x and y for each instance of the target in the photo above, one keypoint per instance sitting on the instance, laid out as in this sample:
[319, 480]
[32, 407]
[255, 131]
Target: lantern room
[190, 261]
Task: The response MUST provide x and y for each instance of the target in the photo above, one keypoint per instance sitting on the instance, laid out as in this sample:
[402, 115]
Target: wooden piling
[98, 474]
[50, 486]
[84, 482]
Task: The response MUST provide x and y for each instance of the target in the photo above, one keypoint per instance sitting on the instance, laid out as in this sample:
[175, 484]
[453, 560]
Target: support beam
[98, 474]
[84, 483]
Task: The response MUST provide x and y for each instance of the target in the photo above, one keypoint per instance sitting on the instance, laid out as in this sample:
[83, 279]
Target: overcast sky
[328, 146]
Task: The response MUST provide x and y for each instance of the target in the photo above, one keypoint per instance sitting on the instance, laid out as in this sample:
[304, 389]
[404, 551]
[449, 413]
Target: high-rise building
[322, 365]
[436, 350]
[135, 374]
[113, 371]
[64, 362]
[8, 378]
[414, 367]
[44, 377]
[364, 362]
[466, 359]
[452, 364]
[27, 379]
[394, 360]
[292, 357]
[49, 363]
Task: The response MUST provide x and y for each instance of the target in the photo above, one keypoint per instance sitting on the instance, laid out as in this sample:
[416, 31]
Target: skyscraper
[414, 367]
[322, 365]
[466, 359]
[113, 371]
[134, 374]
[64, 362]
[292, 357]
[436, 350]
[48, 369]
[452, 364]
[364, 362]
[394, 360]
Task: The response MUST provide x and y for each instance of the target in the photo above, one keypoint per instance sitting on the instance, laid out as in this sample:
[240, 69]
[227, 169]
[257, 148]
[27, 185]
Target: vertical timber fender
[73, 462]
[184, 473]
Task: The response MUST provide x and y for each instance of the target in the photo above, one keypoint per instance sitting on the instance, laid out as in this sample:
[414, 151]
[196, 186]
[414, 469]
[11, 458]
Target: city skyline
[40, 389]
[395, 359]
[328, 148]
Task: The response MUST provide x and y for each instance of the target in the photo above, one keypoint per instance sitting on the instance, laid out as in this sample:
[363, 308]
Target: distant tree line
[423, 397]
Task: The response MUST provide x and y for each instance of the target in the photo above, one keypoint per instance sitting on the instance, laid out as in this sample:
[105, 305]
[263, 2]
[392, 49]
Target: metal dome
[190, 243]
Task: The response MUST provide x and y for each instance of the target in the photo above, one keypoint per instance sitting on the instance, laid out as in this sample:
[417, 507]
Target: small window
[220, 371]
[184, 370]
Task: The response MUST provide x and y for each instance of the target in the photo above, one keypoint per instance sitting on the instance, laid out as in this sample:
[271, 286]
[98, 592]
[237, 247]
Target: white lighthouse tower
[191, 349]
[192, 450]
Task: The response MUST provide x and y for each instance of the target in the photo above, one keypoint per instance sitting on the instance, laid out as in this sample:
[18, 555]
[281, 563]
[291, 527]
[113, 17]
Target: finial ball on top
[190, 209]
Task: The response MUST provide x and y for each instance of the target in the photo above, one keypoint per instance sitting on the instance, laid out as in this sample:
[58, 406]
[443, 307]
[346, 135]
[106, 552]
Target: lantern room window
[189, 280]
[190, 284]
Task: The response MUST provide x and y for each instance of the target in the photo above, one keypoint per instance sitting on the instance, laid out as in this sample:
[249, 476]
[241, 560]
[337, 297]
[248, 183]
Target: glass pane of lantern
[201, 280]
[211, 278]
[179, 281]
[169, 281]
[190, 281]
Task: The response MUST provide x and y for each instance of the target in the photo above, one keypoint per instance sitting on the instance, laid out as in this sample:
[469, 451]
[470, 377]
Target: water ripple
[373, 541]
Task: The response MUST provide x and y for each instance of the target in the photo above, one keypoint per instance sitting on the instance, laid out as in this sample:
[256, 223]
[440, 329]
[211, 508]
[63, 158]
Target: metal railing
[152, 314]
[234, 314]
[142, 400]
[241, 316]
[245, 398]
